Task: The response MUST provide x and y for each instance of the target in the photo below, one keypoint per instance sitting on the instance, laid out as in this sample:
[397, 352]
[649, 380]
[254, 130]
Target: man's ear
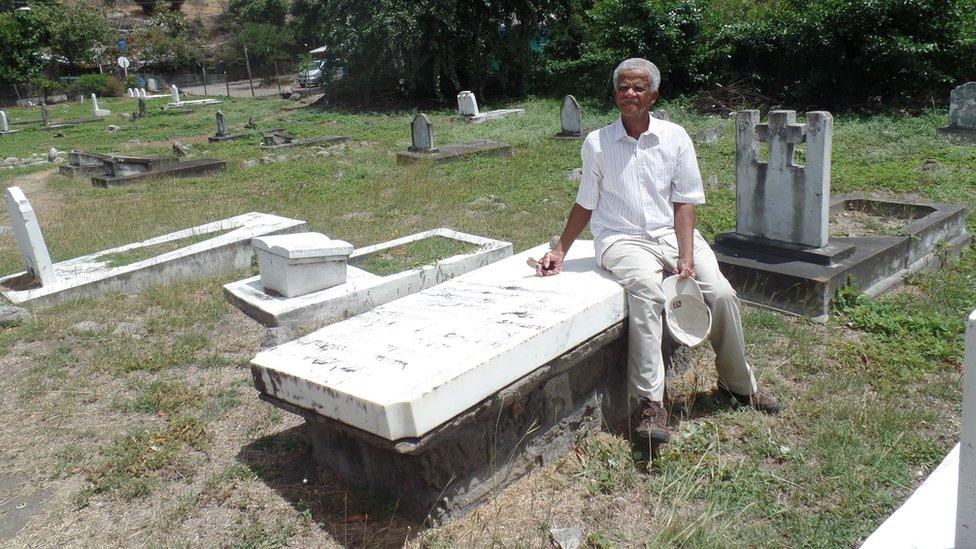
[654, 95]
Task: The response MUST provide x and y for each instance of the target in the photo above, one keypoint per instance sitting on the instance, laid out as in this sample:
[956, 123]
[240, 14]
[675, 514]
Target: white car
[312, 75]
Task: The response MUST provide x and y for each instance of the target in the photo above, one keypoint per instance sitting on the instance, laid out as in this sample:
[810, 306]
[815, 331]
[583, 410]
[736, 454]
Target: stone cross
[94, 105]
[962, 107]
[221, 125]
[142, 107]
[422, 134]
[30, 241]
[175, 92]
[4, 126]
[467, 104]
[45, 116]
[571, 116]
[966, 499]
[780, 200]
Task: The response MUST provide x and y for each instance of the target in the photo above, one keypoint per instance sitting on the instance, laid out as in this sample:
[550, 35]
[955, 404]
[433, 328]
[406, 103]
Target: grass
[426, 251]
[127, 257]
[158, 439]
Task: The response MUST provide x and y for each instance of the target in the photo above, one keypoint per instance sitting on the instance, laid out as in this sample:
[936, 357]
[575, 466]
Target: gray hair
[638, 64]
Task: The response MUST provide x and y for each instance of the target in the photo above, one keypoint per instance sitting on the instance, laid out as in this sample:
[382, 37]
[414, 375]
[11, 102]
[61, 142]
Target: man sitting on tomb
[639, 188]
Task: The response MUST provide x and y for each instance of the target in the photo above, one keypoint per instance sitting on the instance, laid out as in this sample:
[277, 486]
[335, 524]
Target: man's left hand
[686, 268]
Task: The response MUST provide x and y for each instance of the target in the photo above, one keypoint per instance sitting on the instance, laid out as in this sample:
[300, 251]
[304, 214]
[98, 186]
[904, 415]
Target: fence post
[204, 67]
[250, 80]
[277, 79]
[227, 83]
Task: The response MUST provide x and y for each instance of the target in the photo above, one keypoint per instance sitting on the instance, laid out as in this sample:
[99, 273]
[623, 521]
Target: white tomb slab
[408, 366]
[362, 290]
[96, 111]
[91, 275]
[30, 241]
[176, 103]
[468, 109]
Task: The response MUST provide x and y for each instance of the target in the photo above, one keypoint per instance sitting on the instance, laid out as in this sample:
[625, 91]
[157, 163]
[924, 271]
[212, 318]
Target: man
[638, 192]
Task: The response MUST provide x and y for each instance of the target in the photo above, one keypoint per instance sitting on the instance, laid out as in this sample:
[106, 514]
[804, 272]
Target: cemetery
[180, 366]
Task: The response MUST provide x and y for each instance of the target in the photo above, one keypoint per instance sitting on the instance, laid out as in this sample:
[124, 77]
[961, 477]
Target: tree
[21, 34]
[265, 44]
[168, 40]
[76, 31]
[269, 12]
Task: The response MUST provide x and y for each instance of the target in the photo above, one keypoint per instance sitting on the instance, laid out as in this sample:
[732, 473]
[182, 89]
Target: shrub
[102, 85]
[269, 12]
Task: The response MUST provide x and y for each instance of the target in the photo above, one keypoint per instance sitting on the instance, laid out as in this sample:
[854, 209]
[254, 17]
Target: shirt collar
[619, 132]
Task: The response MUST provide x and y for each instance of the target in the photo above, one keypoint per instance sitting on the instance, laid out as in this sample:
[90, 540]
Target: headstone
[4, 125]
[966, 499]
[142, 92]
[221, 125]
[422, 134]
[151, 84]
[130, 92]
[142, 107]
[175, 92]
[45, 116]
[467, 104]
[94, 104]
[778, 199]
[30, 241]
[80, 98]
[52, 154]
[571, 117]
[962, 107]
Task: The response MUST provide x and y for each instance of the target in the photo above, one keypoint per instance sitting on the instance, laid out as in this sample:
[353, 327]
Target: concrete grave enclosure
[783, 257]
[422, 146]
[469, 112]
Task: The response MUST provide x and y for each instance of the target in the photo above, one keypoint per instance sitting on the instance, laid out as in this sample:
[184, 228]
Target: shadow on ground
[353, 516]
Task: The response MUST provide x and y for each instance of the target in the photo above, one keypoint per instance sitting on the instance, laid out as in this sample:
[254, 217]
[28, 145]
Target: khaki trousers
[639, 264]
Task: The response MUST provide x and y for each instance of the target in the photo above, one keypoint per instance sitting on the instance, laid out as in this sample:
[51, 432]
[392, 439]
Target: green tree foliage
[265, 44]
[269, 12]
[76, 30]
[168, 40]
[21, 35]
[428, 48]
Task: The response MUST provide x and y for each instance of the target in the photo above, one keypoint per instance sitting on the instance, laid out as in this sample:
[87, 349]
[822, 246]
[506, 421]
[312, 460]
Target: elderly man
[639, 189]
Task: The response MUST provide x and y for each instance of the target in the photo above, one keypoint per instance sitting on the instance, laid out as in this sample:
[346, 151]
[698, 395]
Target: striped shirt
[631, 184]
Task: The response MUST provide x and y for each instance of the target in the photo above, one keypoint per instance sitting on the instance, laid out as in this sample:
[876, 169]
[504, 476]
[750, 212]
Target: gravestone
[142, 92]
[4, 126]
[422, 134]
[467, 104]
[30, 241]
[130, 92]
[142, 107]
[96, 111]
[45, 116]
[962, 107]
[571, 117]
[80, 98]
[778, 199]
[221, 125]
[151, 84]
[175, 93]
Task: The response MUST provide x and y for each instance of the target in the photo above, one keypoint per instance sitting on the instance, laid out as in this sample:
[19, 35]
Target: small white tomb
[297, 264]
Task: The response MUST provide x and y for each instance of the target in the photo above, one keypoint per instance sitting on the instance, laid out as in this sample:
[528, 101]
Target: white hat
[688, 318]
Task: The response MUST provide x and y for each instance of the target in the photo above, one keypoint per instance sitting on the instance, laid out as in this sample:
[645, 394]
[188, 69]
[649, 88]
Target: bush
[269, 12]
[102, 85]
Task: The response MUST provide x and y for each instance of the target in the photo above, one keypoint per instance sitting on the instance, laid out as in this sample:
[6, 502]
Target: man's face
[633, 95]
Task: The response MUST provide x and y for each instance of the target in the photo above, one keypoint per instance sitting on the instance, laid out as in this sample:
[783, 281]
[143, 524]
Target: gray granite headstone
[779, 199]
[30, 241]
[4, 125]
[422, 134]
[962, 107]
[142, 107]
[571, 116]
[45, 116]
[221, 125]
[467, 104]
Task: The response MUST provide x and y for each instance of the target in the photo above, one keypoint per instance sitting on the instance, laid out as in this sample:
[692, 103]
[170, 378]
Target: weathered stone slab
[189, 168]
[279, 141]
[779, 200]
[30, 241]
[571, 117]
[410, 365]
[362, 290]
[422, 135]
[96, 111]
[83, 163]
[118, 166]
[468, 109]
[449, 153]
[176, 103]
[962, 113]
[91, 275]
[5, 125]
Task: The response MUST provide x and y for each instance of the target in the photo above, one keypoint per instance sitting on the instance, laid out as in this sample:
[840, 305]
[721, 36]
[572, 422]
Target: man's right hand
[550, 264]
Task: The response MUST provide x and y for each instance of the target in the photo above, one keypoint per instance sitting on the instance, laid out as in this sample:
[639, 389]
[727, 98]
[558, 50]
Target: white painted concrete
[966, 510]
[97, 111]
[90, 275]
[495, 114]
[30, 240]
[467, 104]
[298, 264]
[362, 291]
[408, 366]
[927, 519]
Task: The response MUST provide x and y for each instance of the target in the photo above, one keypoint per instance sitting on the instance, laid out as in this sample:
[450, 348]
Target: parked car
[312, 75]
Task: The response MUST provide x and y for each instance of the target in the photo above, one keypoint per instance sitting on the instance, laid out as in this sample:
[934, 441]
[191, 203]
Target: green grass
[872, 398]
[127, 257]
[415, 254]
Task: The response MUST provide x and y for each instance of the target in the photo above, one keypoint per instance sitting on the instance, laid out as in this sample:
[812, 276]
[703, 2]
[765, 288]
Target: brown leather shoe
[653, 421]
[760, 400]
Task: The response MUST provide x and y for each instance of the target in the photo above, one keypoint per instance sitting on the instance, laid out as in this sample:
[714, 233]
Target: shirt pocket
[664, 172]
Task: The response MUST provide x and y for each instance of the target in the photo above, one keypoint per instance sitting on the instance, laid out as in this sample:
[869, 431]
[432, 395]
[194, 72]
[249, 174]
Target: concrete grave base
[189, 168]
[83, 163]
[117, 166]
[781, 281]
[90, 275]
[8, 132]
[230, 137]
[362, 290]
[322, 140]
[448, 153]
[492, 115]
[959, 134]
[576, 137]
[58, 126]
[452, 469]
[185, 104]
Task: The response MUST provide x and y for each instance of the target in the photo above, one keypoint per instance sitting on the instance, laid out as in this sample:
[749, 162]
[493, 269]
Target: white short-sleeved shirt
[631, 184]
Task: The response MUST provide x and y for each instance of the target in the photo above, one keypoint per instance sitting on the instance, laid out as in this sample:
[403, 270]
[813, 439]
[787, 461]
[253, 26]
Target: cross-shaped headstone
[467, 104]
[571, 116]
[221, 125]
[30, 241]
[422, 134]
[962, 107]
[779, 199]
[175, 92]
[45, 116]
